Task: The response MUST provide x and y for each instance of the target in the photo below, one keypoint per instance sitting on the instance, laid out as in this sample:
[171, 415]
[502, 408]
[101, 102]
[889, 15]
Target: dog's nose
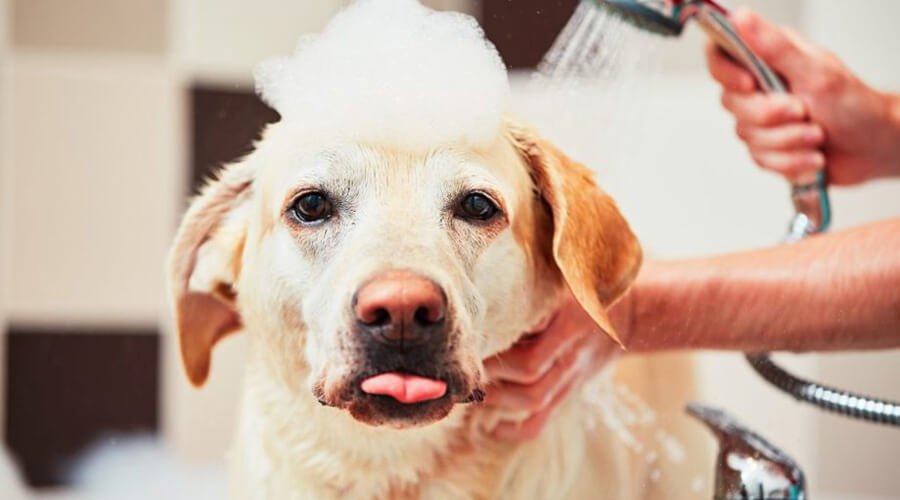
[400, 308]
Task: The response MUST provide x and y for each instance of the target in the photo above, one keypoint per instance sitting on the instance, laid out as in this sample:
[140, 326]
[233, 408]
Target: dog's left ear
[593, 247]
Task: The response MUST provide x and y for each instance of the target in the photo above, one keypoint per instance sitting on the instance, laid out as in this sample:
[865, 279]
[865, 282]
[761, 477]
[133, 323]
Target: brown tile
[67, 387]
[224, 123]
[524, 30]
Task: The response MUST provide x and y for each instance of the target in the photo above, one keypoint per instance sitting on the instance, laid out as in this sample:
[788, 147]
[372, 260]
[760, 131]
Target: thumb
[774, 45]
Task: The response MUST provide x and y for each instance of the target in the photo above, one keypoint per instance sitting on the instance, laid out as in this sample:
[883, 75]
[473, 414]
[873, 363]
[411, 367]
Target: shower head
[646, 15]
[662, 17]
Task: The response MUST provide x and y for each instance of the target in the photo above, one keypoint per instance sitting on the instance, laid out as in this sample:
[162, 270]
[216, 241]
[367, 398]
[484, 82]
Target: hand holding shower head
[809, 193]
[668, 18]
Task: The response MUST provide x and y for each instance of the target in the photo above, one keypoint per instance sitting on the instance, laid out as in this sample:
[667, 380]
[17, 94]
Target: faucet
[748, 467]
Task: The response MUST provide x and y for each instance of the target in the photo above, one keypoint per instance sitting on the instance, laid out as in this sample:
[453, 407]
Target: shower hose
[828, 398]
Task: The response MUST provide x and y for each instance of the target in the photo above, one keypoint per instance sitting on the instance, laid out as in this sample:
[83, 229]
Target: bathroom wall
[856, 457]
[96, 129]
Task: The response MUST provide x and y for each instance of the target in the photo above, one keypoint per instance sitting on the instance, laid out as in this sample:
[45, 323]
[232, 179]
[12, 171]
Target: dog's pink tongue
[405, 388]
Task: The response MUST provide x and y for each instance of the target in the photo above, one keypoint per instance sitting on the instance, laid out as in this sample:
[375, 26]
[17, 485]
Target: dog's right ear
[204, 263]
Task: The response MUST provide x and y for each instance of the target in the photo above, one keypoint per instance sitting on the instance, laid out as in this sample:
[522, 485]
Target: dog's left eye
[477, 206]
[311, 207]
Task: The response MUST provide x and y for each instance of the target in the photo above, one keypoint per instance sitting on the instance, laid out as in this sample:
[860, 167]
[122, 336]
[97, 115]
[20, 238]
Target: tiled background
[108, 108]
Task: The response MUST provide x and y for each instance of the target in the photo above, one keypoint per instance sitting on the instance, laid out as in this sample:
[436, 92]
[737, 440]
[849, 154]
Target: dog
[372, 280]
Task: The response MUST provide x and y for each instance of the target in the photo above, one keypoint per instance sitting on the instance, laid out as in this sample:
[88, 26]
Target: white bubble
[697, 484]
[391, 72]
[673, 448]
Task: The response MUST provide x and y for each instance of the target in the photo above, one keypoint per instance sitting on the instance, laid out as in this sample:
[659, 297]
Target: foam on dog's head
[391, 72]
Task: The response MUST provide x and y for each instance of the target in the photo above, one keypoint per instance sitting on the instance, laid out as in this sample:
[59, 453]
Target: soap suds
[697, 484]
[671, 446]
[391, 72]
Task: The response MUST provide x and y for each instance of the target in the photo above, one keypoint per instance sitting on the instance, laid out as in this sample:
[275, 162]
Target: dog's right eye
[311, 207]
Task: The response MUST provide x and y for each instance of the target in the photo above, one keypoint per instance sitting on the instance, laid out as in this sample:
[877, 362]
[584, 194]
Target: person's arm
[837, 291]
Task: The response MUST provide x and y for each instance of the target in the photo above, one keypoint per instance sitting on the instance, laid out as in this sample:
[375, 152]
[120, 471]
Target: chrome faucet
[748, 467]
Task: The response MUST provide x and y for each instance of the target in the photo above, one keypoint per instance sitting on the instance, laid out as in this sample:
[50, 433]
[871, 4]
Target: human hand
[536, 373]
[831, 116]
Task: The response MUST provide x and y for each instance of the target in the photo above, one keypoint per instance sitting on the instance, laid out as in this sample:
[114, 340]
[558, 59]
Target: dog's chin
[377, 410]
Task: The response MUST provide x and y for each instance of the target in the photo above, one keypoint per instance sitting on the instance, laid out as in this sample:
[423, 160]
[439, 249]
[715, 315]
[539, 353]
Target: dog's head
[378, 279]
[393, 229]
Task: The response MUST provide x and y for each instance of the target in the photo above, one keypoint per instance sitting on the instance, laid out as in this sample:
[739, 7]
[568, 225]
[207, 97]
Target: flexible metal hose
[835, 400]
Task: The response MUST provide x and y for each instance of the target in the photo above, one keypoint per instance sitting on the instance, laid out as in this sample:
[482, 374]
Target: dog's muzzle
[407, 361]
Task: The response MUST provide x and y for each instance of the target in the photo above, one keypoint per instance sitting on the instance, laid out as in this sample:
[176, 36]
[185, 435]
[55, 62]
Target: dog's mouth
[402, 385]
[399, 397]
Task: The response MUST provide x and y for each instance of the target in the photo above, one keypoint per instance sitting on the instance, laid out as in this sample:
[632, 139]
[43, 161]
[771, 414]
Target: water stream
[599, 52]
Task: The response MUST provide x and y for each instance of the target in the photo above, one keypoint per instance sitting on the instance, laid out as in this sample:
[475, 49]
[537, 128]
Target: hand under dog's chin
[387, 408]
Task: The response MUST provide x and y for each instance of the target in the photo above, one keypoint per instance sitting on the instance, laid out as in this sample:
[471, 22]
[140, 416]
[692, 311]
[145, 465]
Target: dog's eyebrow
[319, 172]
[330, 155]
[473, 175]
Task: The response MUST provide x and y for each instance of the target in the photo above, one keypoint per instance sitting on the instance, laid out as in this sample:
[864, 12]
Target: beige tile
[5, 216]
[107, 25]
[95, 188]
[865, 37]
[4, 24]
[5, 102]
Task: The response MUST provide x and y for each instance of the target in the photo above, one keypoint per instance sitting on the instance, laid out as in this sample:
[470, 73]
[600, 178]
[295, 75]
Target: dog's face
[376, 280]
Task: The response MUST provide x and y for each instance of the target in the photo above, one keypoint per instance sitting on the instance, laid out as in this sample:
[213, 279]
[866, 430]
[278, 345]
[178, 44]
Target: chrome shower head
[663, 17]
[649, 15]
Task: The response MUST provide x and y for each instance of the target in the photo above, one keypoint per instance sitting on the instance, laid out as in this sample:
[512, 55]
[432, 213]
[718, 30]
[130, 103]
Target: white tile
[95, 187]
[226, 39]
[863, 35]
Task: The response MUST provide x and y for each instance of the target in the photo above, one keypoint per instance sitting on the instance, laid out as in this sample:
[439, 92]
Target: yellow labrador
[364, 266]
[372, 282]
